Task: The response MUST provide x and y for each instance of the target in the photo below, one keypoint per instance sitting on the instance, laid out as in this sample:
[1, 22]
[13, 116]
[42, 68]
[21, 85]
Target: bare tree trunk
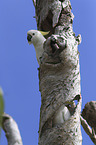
[59, 75]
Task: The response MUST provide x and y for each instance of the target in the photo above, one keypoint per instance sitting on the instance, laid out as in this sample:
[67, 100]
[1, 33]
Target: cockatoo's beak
[29, 38]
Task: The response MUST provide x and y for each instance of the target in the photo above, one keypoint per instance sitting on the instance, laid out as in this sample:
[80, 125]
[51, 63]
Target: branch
[88, 130]
[89, 114]
[11, 129]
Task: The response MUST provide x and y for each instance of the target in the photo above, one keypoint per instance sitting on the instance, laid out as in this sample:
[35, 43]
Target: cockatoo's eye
[33, 33]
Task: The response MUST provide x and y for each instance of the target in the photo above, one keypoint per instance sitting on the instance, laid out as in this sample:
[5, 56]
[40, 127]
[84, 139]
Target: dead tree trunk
[59, 75]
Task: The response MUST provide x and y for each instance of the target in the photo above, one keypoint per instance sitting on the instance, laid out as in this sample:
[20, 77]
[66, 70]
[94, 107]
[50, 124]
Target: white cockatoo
[36, 38]
[61, 115]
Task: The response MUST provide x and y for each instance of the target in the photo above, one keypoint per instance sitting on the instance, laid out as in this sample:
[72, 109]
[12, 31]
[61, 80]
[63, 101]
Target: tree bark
[59, 75]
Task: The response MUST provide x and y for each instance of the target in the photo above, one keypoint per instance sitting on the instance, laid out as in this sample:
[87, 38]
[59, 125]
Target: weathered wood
[59, 75]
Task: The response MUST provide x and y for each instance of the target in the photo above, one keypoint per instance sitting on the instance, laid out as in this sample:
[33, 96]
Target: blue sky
[18, 64]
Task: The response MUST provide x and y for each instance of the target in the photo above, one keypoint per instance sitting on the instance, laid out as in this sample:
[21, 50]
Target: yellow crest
[44, 33]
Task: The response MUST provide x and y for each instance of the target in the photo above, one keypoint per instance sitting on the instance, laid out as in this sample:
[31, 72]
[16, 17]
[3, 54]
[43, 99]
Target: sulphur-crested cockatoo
[36, 38]
[61, 115]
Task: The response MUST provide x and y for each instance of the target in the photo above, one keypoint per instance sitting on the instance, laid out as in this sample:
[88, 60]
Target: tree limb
[88, 130]
[89, 114]
[11, 129]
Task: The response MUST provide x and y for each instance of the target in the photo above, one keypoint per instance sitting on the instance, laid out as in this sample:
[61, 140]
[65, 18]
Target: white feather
[62, 115]
[37, 40]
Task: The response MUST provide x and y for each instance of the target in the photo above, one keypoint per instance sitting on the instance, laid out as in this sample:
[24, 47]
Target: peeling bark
[59, 75]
